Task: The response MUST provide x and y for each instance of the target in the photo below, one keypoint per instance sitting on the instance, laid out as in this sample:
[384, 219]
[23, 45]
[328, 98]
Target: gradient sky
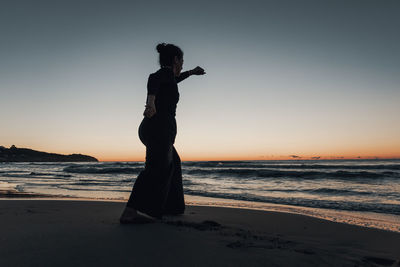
[305, 78]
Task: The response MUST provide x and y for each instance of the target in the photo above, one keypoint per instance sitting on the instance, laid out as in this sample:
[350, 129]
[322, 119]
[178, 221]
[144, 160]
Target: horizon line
[272, 159]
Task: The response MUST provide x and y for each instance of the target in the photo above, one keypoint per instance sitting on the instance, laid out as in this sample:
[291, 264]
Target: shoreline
[372, 220]
[38, 232]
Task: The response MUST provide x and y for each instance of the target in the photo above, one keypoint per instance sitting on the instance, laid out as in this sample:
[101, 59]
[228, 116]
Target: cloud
[295, 157]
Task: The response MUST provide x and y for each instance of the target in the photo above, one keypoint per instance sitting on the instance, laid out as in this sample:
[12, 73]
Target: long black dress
[158, 188]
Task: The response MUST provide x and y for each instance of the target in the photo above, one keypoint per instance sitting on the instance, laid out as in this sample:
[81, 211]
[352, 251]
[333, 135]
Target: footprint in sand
[203, 226]
[380, 261]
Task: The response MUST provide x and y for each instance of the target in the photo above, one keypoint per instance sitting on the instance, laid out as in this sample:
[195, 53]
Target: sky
[285, 79]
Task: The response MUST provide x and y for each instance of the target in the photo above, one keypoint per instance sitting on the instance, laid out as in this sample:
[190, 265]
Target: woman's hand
[197, 71]
[149, 111]
[150, 106]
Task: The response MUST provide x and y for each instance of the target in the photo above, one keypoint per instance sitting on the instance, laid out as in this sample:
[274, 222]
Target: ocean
[353, 185]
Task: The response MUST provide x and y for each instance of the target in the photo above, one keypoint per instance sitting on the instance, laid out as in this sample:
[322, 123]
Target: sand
[87, 233]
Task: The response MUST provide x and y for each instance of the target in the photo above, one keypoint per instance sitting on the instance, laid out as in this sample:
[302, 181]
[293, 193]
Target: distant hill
[14, 154]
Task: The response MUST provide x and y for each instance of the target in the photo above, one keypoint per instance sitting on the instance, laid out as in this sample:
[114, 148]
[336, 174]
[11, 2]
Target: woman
[158, 188]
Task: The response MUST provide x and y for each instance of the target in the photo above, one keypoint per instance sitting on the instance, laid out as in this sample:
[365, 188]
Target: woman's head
[170, 56]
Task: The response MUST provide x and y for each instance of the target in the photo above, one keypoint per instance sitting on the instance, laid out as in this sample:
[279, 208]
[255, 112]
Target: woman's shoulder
[162, 75]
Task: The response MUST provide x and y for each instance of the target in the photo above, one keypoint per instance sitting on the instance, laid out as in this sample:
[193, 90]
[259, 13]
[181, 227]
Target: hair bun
[160, 47]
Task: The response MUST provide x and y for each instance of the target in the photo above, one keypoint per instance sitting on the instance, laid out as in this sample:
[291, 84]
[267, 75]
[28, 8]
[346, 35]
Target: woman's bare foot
[131, 215]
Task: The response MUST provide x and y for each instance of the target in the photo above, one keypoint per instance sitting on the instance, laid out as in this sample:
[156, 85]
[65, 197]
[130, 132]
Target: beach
[241, 213]
[273, 123]
[61, 232]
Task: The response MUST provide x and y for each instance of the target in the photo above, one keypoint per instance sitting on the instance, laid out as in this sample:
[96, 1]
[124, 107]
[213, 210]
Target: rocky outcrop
[14, 154]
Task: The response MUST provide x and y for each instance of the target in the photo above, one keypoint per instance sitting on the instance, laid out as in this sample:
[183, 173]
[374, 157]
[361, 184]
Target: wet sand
[87, 233]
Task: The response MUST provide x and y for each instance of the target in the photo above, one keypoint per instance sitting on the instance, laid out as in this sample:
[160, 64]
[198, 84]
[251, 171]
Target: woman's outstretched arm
[185, 74]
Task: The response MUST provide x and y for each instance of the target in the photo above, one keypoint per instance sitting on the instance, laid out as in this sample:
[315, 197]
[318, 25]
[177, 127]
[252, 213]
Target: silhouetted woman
[158, 188]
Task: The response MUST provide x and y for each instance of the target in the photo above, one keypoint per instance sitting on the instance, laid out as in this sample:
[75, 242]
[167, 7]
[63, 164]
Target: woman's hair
[167, 54]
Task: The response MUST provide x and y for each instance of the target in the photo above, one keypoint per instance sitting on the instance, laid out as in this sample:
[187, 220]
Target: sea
[369, 187]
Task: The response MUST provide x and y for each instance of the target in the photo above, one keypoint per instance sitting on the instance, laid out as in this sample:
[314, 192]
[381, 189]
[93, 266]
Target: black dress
[158, 189]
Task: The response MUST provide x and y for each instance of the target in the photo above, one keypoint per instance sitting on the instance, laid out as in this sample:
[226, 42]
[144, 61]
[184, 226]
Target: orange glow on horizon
[241, 154]
[237, 158]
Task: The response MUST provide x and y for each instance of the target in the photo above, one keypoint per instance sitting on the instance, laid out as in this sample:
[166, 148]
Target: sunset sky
[304, 78]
